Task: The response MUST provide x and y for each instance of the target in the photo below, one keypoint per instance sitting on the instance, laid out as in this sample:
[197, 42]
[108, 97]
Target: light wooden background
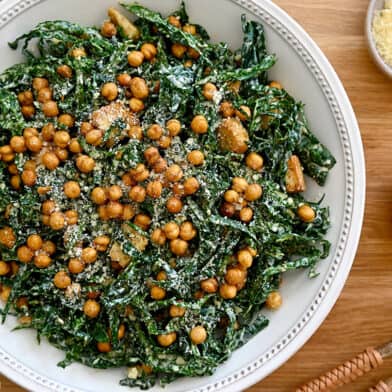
[363, 314]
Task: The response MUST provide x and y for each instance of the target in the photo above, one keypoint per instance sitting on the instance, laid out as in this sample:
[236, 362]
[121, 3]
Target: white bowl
[374, 6]
[305, 72]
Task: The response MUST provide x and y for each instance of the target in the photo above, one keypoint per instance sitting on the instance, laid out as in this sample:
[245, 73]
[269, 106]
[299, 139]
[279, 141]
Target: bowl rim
[372, 8]
[354, 162]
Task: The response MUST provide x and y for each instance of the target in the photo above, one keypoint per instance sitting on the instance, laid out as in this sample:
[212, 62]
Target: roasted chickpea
[136, 105]
[178, 247]
[77, 53]
[167, 339]
[139, 173]
[29, 132]
[191, 186]
[34, 144]
[28, 111]
[50, 109]
[199, 124]
[29, 177]
[209, 91]
[48, 206]
[26, 98]
[187, 231]
[246, 214]
[61, 153]
[4, 268]
[17, 144]
[42, 260]
[227, 109]
[235, 276]
[98, 195]
[66, 120]
[193, 53]
[61, 139]
[24, 254]
[160, 165]
[158, 237]
[137, 194]
[143, 221]
[231, 196]
[71, 217]
[121, 331]
[48, 247]
[65, 71]
[253, 192]
[239, 184]
[5, 292]
[124, 79]
[101, 243]
[172, 230]
[72, 189]
[109, 91]
[104, 347]
[198, 335]
[74, 146]
[154, 132]
[274, 300]
[306, 213]
[85, 128]
[43, 190]
[178, 50]
[50, 161]
[174, 21]
[178, 189]
[174, 205]
[227, 291]
[139, 88]
[176, 311]
[91, 308]
[62, 280]
[15, 182]
[114, 209]
[127, 180]
[12, 168]
[40, 83]
[57, 221]
[149, 51]
[157, 293]
[76, 266]
[254, 161]
[108, 29]
[44, 95]
[196, 157]
[5, 150]
[174, 173]
[173, 126]
[85, 163]
[48, 132]
[190, 29]
[151, 155]
[164, 142]
[34, 242]
[188, 63]
[154, 189]
[276, 85]
[243, 113]
[245, 259]
[209, 285]
[115, 192]
[89, 255]
[135, 58]
[128, 212]
[102, 213]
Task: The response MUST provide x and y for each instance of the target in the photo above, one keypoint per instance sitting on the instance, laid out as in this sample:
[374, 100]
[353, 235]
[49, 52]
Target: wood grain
[363, 314]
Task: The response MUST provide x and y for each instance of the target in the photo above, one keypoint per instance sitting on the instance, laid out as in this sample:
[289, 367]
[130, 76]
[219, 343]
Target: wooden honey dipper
[350, 370]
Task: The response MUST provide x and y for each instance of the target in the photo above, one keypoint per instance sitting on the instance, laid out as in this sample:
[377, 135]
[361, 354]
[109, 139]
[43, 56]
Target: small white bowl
[374, 6]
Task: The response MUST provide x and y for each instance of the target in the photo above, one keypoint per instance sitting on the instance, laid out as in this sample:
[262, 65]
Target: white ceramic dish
[374, 6]
[306, 73]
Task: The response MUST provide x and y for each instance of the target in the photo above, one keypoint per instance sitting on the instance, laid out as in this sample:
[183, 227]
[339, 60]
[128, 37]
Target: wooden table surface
[363, 314]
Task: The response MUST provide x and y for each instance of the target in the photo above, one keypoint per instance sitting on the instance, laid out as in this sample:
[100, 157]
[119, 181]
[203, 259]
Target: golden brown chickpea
[209, 285]
[85, 163]
[101, 243]
[22, 302]
[187, 231]
[48, 247]
[45, 220]
[76, 266]
[137, 194]
[42, 260]
[43, 190]
[24, 254]
[243, 113]
[108, 29]
[198, 335]
[74, 146]
[196, 157]
[50, 109]
[161, 275]
[8, 157]
[85, 128]
[239, 184]
[4, 268]
[104, 347]
[114, 209]
[252, 251]
[89, 255]
[174, 205]
[127, 180]
[57, 221]
[61, 139]
[15, 182]
[47, 132]
[143, 221]
[91, 308]
[227, 109]
[277, 85]
[72, 189]
[253, 192]
[245, 259]
[193, 53]
[174, 21]
[254, 161]
[102, 213]
[274, 300]
[6, 149]
[61, 153]
[40, 83]
[28, 111]
[188, 63]
[154, 132]
[13, 169]
[30, 165]
[26, 98]
[190, 29]
[227, 291]
[306, 213]
[34, 144]
[160, 165]
[124, 79]
[191, 186]
[178, 189]
[109, 91]
[178, 247]
[44, 95]
[151, 155]
[115, 192]
[128, 212]
[66, 120]
[173, 126]
[65, 71]
[29, 177]
[235, 276]
[135, 58]
[172, 230]
[71, 217]
[174, 173]
[62, 280]
[154, 189]
[18, 144]
[5, 292]
[231, 196]
[164, 142]
[48, 206]
[157, 293]
[29, 132]
[178, 50]
[139, 173]
[149, 51]
[139, 88]
[14, 268]
[209, 91]
[34, 242]
[158, 237]
[199, 124]
[121, 331]
[50, 161]
[176, 311]
[136, 105]
[98, 195]
[77, 53]
[167, 340]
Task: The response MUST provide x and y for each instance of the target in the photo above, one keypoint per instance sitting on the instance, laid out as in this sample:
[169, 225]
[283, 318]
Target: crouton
[233, 136]
[295, 181]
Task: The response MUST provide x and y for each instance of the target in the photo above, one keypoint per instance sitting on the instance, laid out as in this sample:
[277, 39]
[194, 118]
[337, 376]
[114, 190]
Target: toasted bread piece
[129, 29]
[116, 254]
[233, 136]
[295, 181]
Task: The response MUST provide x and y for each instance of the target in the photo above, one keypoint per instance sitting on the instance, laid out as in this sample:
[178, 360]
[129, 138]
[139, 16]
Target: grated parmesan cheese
[382, 32]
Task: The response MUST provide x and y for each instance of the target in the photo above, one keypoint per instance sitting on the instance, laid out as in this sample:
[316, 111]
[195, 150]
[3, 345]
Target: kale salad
[151, 192]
